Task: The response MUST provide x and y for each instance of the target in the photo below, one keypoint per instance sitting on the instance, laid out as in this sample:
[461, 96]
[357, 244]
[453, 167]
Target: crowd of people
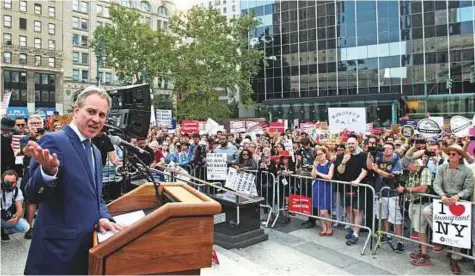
[400, 168]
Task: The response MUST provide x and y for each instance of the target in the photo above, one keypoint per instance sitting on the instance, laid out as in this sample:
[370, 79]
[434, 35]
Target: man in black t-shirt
[103, 143]
[351, 167]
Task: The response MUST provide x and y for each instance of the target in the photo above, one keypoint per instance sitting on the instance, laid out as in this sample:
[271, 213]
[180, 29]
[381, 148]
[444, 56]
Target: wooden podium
[176, 238]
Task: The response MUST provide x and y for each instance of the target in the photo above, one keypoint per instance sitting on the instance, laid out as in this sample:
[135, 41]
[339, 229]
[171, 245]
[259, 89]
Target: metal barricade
[313, 198]
[201, 173]
[266, 187]
[416, 211]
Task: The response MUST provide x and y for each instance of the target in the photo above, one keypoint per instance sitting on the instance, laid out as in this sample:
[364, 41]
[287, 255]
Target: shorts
[390, 209]
[418, 222]
[355, 200]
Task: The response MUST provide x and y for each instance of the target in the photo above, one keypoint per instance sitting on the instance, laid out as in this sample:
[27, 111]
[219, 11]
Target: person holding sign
[453, 181]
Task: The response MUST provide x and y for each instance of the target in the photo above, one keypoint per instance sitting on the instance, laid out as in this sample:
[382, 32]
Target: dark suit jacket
[69, 207]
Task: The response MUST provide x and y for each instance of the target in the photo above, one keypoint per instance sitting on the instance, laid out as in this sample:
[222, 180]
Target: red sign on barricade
[300, 204]
[190, 127]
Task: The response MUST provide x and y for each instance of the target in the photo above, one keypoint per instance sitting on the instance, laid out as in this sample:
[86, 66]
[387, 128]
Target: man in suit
[66, 182]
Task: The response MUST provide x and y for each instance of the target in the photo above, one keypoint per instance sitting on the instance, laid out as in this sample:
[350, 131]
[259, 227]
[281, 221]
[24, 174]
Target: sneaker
[349, 234]
[415, 254]
[308, 224]
[29, 234]
[423, 260]
[399, 248]
[5, 236]
[386, 238]
[352, 240]
[347, 226]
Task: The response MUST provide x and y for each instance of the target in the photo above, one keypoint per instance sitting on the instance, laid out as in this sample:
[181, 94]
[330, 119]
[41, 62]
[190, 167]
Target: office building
[395, 58]
[32, 56]
[228, 8]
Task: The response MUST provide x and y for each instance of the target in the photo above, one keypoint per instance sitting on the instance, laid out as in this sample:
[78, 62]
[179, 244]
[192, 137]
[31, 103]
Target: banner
[452, 224]
[252, 126]
[276, 127]
[163, 117]
[189, 126]
[353, 119]
[300, 204]
[241, 182]
[5, 102]
[217, 168]
[237, 126]
[17, 112]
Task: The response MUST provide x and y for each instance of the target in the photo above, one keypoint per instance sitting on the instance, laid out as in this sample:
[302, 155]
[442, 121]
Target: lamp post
[100, 53]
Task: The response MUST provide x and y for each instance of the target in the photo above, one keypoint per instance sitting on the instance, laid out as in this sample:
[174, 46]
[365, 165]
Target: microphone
[117, 141]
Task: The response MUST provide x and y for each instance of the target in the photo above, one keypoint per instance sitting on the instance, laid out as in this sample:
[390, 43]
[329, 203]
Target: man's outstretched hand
[49, 162]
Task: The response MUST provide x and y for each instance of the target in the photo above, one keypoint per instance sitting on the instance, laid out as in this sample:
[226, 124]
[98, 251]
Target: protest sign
[438, 120]
[163, 117]
[353, 119]
[276, 127]
[189, 126]
[5, 102]
[460, 126]
[452, 224]
[216, 166]
[407, 131]
[237, 126]
[300, 204]
[241, 182]
[428, 128]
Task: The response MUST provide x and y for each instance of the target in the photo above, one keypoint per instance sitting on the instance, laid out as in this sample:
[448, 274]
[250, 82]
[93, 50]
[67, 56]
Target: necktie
[88, 149]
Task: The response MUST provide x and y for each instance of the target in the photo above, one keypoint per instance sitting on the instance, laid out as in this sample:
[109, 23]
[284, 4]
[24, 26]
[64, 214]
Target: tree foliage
[131, 47]
[204, 51]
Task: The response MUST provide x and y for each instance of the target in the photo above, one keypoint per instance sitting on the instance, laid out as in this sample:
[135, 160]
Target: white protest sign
[5, 103]
[216, 166]
[237, 126]
[353, 119]
[163, 117]
[460, 126]
[241, 182]
[438, 119]
[452, 224]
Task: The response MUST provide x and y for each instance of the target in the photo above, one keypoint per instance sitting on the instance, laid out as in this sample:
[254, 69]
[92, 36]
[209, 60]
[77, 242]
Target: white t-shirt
[9, 198]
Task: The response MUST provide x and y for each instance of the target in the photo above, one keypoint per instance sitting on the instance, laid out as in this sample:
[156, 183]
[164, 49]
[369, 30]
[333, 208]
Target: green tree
[162, 101]
[132, 48]
[212, 52]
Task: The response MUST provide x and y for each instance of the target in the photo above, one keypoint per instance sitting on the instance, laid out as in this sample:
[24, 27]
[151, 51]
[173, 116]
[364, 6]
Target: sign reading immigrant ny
[352, 119]
[216, 166]
[452, 224]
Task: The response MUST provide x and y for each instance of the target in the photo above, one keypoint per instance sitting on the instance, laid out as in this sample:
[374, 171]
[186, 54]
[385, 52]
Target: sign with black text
[216, 166]
[163, 117]
[452, 224]
[241, 182]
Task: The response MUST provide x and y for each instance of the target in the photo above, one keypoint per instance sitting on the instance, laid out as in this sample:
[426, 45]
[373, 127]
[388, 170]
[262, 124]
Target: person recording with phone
[11, 199]
[69, 193]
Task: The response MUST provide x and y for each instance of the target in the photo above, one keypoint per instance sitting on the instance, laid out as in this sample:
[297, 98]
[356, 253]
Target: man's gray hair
[92, 90]
[33, 116]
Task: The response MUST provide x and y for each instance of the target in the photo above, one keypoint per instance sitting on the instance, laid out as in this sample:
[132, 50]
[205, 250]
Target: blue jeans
[21, 227]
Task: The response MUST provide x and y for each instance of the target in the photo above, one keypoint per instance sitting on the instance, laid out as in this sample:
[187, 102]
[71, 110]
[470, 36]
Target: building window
[225, 10]
[75, 5]
[163, 11]
[38, 26]
[100, 10]
[45, 96]
[224, 2]
[38, 43]
[84, 7]
[75, 75]
[7, 39]
[37, 60]
[37, 95]
[7, 4]
[52, 96]
[85, 75]
[7, 57]
[85, 58]
[126, 3]
[106, 12]
[7, 21]
[234, 8]
[37, 8]
[76, 39]
[22, 40]
[217, 2]
[159, 24]
[15, 77]
[84, 24]
[75, 57]
[23, 95]
[145, 6]
[23, 6]
[23, 23]
[51, 11]
[51, 28]
[51, 62]
[84, 41]
[23, 59]
[76, 22]
[165, 25]
[51, 45]
[108, 78]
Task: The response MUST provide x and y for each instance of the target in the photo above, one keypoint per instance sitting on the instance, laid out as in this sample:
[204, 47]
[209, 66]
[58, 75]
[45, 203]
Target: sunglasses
[453, 154]
[20, 125]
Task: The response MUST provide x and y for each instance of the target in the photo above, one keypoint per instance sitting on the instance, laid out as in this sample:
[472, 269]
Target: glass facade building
[393, 57]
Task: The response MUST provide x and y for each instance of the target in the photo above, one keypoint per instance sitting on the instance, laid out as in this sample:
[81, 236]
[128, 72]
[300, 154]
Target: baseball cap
[8, 123]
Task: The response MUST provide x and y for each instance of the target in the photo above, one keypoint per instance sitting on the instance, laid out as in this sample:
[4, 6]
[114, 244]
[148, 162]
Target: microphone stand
[135, 161]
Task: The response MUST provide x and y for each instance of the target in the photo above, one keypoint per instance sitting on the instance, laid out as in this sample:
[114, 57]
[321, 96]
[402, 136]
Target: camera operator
[36, 130]
[434, 153]
[8, 156]
[304, 164]
[11, 199]
[387, 166]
